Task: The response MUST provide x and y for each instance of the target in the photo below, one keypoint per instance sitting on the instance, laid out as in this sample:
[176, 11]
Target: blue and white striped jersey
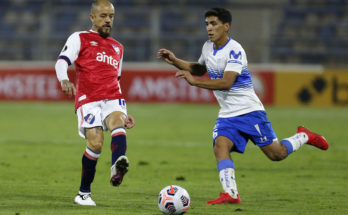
[241, 98]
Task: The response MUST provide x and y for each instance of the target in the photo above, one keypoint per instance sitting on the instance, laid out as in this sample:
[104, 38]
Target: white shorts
[93, 114]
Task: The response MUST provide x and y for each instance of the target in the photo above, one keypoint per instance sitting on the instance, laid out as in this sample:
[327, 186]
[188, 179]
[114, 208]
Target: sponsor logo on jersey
[234, 61]
[117, 49]
[102, 57]
[93, 43]
[236, 55]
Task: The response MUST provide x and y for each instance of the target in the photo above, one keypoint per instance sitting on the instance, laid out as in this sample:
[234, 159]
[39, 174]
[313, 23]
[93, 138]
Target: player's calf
[275, 151]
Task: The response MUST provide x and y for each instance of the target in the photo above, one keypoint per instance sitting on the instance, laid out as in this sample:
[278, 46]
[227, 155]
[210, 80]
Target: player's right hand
[68, 88]
[186, 75]
[130, 122]
[166, 55]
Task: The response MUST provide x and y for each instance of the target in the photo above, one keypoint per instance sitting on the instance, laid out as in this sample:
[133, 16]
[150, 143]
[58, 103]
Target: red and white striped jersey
[98, 64]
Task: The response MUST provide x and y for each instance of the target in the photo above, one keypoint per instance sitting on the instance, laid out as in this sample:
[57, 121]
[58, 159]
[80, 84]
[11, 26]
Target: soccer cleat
[118, 170]
[84, 199]
[225, 198]
[314, 139]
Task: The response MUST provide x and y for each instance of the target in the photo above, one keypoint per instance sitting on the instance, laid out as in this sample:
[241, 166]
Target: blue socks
[90, 158]
[294, 142]
[89, 162]
[118, 143]
[224, 164]
[287, 145]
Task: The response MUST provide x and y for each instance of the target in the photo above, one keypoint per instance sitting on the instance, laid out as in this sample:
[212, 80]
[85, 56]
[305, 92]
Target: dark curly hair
[221, 13]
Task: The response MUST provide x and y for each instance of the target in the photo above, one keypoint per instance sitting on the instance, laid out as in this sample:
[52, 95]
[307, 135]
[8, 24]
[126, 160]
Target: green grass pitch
[40, 162]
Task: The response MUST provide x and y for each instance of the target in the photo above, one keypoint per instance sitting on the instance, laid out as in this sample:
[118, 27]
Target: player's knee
[221, 148]
[277, 156]
[116, 119]
[95, 144]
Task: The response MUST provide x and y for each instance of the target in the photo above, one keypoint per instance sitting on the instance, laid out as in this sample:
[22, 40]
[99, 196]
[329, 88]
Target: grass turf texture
[40, 162]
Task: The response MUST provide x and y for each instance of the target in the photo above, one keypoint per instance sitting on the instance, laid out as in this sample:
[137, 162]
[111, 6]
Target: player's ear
[227, 26]
[91, 17]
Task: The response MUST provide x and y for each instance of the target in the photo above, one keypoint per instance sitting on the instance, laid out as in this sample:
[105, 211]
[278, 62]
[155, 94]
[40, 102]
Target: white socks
[228, 182]
[297, 140]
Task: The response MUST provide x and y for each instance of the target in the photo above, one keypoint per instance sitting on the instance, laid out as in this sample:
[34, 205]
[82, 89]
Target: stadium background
[298, 55]
[297, 50]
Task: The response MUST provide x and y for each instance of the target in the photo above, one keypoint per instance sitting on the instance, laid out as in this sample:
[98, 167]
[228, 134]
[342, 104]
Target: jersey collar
[92, 31]
[216, 50]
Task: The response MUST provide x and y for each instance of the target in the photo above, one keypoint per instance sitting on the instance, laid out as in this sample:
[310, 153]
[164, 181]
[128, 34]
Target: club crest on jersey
[117, 49]
[236, 55]
[89, 118]
[93, 43]
[102, 57]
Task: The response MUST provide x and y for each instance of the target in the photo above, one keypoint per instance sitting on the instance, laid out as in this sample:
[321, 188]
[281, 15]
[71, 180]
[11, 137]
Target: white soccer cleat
[84, 199]
[118, 170]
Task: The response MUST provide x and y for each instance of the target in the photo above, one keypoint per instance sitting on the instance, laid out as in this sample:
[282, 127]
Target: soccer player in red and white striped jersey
[99, 103]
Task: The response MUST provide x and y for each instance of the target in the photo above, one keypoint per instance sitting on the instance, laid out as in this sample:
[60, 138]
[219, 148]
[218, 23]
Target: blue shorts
[252, 126]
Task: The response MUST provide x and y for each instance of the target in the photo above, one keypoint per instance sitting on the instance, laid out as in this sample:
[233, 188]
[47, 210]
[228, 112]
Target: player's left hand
[186, 75]
[130, 123]
[68, 88]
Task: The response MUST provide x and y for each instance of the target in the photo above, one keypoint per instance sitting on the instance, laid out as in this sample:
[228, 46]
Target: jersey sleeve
[201, 59]
[236, 60]
[120, 67]
[62, 70]
[71, 49]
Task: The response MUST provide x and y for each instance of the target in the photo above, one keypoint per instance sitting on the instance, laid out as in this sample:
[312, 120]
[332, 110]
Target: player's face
[102, 19]
[217, 31]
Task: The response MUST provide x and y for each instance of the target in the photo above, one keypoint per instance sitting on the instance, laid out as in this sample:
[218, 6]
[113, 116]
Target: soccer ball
[173, 199]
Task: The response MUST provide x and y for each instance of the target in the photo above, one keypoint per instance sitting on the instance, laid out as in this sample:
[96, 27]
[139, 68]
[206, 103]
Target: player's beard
[103, 33]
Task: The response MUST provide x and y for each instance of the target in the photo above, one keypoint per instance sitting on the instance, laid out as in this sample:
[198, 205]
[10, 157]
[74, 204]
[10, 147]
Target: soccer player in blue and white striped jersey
[242, 116]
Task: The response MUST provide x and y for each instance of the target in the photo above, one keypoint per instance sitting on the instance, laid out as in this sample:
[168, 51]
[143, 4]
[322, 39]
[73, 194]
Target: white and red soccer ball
[173, 199]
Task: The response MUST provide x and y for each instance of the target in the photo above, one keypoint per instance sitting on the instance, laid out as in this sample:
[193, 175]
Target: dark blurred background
[271, 31]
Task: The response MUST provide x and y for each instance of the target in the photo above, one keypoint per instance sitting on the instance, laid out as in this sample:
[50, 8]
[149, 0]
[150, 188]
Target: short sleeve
[71, 49]
[201, 60]
[120, 67]
[236, 60]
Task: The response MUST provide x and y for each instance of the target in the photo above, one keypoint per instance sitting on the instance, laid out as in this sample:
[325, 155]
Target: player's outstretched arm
[130, 122]
[170, 58]
[224, 83]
